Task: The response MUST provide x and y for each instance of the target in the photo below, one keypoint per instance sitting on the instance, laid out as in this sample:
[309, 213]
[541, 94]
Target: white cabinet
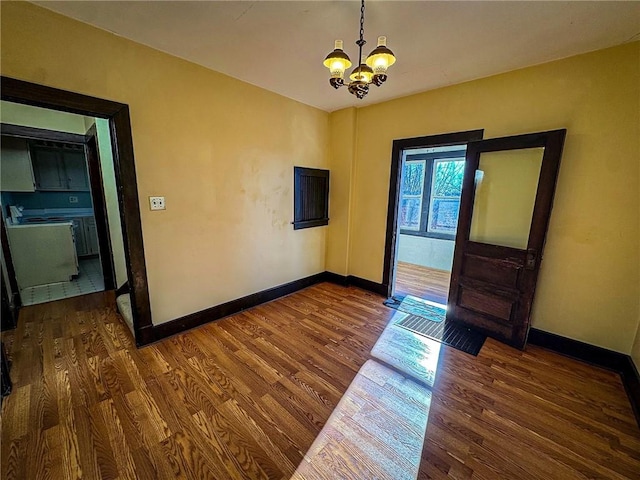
[91, 236]
[42, 254]
[86, 236]
[16, 173]
[78, 234]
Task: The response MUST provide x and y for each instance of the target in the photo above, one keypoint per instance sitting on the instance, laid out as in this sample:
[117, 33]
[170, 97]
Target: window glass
[446, 187]
[411, 193]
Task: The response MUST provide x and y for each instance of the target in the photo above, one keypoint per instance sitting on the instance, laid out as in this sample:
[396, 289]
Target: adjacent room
[320, 240]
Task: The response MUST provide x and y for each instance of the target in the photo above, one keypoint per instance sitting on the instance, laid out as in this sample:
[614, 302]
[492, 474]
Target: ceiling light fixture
[374, 70]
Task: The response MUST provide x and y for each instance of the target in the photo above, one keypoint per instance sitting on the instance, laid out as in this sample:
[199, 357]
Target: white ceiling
[280, 45]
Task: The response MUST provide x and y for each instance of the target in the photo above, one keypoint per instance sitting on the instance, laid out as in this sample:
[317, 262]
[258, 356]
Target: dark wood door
[505, 206]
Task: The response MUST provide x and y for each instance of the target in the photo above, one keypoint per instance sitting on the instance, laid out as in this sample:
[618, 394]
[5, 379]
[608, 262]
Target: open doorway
[424, 197]
[499, 217]
[427, 174]
[430, 188]
[118, 124]
[54, 194]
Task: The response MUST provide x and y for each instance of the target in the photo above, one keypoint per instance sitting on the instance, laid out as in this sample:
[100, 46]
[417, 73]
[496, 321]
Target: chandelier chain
[361, 42]
[362, 21]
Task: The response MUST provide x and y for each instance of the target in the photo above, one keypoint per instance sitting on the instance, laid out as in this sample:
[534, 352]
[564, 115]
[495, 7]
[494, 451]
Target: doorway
[119, 125]
[53, 199]
[424, 197]
[502, 216]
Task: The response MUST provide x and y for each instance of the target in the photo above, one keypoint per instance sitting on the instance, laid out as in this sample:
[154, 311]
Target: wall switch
[73, 199]
[156, 203]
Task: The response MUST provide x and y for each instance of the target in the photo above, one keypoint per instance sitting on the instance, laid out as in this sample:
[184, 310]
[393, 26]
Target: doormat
[458, 337]
[417, 306]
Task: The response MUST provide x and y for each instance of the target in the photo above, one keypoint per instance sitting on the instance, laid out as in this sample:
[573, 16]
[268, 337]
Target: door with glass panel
[505, 206]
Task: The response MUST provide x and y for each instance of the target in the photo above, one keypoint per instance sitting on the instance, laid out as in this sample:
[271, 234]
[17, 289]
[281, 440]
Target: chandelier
[374, 70]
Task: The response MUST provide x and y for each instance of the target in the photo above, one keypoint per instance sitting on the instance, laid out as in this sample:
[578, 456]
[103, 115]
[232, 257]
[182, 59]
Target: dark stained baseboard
[631, 379]
[336, 278]
[345, 281]
[182, 324]
[598, 356]
[379, 288]
[217, 312]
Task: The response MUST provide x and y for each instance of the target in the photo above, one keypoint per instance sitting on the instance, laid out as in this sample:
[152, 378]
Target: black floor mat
[458, 337]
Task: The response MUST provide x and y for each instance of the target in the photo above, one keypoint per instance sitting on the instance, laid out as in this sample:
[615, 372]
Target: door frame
[440, 140]
[19, 91]
[95, 182]
[100, 207]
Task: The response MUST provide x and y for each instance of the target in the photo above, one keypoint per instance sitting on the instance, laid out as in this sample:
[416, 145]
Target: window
[430, 192]
[310, 197]
[412, 193]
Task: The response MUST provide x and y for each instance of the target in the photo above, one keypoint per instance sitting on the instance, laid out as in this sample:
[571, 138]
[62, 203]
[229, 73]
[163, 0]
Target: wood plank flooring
[246, 396]
[422, 282]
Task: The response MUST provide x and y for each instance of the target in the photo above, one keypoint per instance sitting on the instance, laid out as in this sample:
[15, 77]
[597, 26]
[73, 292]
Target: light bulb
[362, 74]
[381, 57]
[337, 61]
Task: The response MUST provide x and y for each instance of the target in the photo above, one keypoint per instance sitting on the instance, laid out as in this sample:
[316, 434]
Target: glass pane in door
[506, 185]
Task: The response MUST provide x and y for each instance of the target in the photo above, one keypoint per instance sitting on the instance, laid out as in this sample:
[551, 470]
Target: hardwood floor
[422, 282]
[245, 397]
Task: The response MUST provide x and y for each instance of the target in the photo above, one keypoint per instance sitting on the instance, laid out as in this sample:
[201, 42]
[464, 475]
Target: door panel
[505, 207]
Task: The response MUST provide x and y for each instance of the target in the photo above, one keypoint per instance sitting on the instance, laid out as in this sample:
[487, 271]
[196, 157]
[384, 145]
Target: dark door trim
[16, 301]
[458, 138]
[100, 207]
[19, 91]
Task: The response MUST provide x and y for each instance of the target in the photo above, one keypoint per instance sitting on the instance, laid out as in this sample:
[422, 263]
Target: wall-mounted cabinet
[61, 168]
[16, 172]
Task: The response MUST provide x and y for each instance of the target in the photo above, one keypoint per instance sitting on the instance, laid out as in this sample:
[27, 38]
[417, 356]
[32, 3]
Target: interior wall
[589, 284]
[221, 151]
[28, 116]
[342, 146]
[428, 252]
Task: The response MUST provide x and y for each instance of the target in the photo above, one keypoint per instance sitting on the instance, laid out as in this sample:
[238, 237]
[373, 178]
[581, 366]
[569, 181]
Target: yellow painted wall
[342, 145]
[221, 151]
[589, 285]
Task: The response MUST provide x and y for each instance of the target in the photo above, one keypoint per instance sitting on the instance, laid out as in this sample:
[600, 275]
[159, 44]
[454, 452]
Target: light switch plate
[156, 203]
